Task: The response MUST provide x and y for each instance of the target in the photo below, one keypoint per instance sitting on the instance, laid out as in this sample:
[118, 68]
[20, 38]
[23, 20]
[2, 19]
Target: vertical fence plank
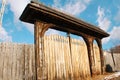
[45, 53]
[4, 63]
[68, 60]
[33, 62]
[1, 61]
[56, 57]
[53, 59]
[30, 64]
[97, 59]
[13, 62]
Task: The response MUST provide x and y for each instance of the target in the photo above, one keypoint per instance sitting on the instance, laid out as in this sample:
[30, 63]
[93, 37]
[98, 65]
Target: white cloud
[4, 35]
[104, 24]
[102, 20]
[73, 7]
[115, 33]
[51, 32]
[105, 40]
[30, 27]
[17, 8]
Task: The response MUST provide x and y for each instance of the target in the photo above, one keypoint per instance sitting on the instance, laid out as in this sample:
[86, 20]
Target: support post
[101, 55]
[39, 30]
[89, 43]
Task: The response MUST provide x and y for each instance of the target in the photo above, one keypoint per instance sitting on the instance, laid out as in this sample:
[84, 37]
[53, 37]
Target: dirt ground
[108, 76]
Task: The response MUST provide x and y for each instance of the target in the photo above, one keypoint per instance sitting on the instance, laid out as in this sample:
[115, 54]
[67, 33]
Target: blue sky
[102, 13]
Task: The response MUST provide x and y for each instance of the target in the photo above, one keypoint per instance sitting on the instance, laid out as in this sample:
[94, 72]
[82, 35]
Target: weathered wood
[13, 59]
[89, 43]
[97, 59]
[63, 22]
[101, 55]
[109, 62]
[61, 64]
[60, 61]
[40, 29]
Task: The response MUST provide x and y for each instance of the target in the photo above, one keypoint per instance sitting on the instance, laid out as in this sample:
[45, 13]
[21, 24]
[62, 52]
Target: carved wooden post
[101, 55]
[89, 42]
[39, 31]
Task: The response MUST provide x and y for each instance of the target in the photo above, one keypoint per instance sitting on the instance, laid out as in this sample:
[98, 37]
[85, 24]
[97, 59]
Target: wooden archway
[44, 17]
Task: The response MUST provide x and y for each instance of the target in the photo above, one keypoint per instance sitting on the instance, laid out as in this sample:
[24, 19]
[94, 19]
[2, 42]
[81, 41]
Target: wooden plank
[97, 59]
[4, 63]
[75, 63]
[45, 52]
[1, 61]
[31, 72]
[62, 58]
[10, 61]
[26, 63]
[21, 61]
[33, 62]
[13, 62]
[53, 58]
[68, 60]
[56, 50]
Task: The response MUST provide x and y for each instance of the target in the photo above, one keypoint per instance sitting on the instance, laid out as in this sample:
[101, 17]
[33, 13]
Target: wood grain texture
[17, 61]
[63, 64]
[109, 60]
[97, 59]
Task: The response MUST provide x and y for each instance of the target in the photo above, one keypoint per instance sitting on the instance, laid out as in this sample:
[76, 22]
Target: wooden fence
[97, 62]
[113, 61]
[17, 62]
[64, 60]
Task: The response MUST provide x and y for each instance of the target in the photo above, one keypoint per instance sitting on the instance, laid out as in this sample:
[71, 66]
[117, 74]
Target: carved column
[101, 55]
[39, 31]
[89, 42]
